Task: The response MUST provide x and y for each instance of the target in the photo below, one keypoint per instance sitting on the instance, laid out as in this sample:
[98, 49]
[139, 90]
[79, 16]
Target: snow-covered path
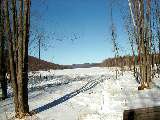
[83, 94]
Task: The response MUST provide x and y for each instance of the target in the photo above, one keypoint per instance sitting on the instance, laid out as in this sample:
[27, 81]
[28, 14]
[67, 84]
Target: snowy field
[83, 94]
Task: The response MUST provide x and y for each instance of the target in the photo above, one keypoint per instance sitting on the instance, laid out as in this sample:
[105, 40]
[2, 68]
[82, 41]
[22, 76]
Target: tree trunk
[149, 43]
[15, 33]
[25, 48]
[20, 62]
[23, 59]
[3, 81]
[18, 53]
[144, 38]
[11, 58]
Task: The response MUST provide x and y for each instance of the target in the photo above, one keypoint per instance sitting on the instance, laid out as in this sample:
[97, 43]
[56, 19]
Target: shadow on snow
[66, 97]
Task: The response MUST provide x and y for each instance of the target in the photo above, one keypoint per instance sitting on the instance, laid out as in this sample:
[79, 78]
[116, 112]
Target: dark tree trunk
[25, 52]
[11, 57]
[3, 80]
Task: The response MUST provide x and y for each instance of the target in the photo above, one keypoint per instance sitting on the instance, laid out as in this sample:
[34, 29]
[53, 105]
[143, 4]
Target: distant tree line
[127, 61]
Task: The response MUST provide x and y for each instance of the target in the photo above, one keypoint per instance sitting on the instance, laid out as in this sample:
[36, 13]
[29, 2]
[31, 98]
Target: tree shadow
[66, 97]
[65, 79]
[38, 88]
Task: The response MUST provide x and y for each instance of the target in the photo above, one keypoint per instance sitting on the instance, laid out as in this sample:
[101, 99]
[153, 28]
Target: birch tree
[141, 18]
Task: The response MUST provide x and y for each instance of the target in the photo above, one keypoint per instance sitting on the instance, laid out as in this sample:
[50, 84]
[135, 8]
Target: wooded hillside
[35, 64]
[127, 61]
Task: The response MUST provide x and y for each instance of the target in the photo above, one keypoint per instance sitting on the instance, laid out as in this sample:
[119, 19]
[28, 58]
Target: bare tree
[18, 38]
[141, 18]
[131, 36]
[114, 37]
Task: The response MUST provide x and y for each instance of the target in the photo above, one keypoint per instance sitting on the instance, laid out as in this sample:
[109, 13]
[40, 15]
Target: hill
[35, 64]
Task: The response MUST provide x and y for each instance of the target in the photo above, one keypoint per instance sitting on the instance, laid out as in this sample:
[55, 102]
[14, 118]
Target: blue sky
[89, 20]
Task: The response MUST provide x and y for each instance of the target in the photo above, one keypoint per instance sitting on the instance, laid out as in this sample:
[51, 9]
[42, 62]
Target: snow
[83, 94]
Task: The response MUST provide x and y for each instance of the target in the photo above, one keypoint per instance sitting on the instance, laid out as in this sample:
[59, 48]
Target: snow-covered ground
[83, 94]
